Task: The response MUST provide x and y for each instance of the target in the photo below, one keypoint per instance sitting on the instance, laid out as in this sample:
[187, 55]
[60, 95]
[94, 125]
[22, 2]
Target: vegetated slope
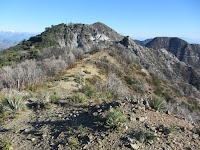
[109, 105]
[142, 43]
[188, 53]
[68, 36]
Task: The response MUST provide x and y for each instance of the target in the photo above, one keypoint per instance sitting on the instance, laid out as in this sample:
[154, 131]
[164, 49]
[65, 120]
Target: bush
[129, 80]
[5, 144]
[78, 98]
[198, 129]
[88, 90]
[157, 103]
[143, 74]
[158, 91]
[45, 98]
[105, 59]
[13, 103]
[94, 79]
[86, 72]
[154, 80]
[73, 142]
[145, 137]
[54, 98]
[114, 119]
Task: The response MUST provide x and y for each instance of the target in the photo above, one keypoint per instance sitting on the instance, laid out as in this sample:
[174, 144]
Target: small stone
[134, 110]
[132, 118]
[26, 130]
[33, 139]
[125, 127]
[59, 115]
[153, 129]
[52, 144]
[147, 126]
[130, 140]
[168, 112]
[195, 136]
[90, 137]
[141, 108]
[95, 114]
[85, 147]
[141, 118]
[134, 146]
[99, 110]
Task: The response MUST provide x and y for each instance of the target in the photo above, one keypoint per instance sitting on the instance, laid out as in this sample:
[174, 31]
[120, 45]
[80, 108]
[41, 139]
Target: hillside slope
[188, 53]
[102, 102]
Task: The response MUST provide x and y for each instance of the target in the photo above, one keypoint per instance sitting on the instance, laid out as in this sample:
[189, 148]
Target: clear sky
[137, 18]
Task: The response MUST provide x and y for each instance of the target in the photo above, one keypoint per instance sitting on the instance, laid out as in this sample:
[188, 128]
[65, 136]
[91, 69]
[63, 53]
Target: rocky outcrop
[85, 36]
[188, 53]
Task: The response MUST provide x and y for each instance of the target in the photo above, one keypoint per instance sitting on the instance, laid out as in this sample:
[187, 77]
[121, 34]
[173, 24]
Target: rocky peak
[127, 42]
[107, 31]
[85, 36]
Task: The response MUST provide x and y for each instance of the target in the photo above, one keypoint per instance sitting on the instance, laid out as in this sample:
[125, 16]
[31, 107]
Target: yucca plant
[45, 98]
[114, 119]
[157, 103]
[13, 103]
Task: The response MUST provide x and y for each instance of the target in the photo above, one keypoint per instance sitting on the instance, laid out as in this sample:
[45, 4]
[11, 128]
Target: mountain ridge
[188, 53]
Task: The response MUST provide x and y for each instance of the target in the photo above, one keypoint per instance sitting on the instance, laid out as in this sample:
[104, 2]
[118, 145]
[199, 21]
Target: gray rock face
[85, 36]
[188, 53]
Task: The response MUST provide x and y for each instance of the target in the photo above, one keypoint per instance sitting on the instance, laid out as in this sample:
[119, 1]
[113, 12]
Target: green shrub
[129, 80]
[188, 106]
[168, 97]
[78, 98]
[54, 98]
[143, 74]
[5, 144]
[105, 59]
[73, 142]
[137, 67]
[48, 106]
[65, 79]
[13, 103]
[155, 80]
[198, 129]
[145, 137]
[158, 91]
[157, 103]
[114, 119]
[88, 90]
[149, 81]
[4, 116]
[86, 72]
[45, 98]
[173, 128]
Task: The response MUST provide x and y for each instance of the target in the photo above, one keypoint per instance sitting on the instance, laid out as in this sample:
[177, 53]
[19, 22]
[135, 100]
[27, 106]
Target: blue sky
[137, 18]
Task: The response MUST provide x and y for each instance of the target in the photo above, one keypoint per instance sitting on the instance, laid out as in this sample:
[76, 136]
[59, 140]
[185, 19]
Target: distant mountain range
[142, 43]
[9, 39]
